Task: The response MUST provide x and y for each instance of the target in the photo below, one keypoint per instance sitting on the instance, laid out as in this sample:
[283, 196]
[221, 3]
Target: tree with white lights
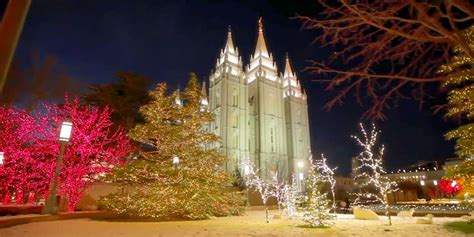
[326, 174]
[290, 195]
[278, 190]
[317, 209]
[262, 186]
[370, 172]
[175, 175]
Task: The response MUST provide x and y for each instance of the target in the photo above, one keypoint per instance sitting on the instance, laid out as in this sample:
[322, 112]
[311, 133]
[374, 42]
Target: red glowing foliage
[30, 159]
[450, 186]
[19, 167]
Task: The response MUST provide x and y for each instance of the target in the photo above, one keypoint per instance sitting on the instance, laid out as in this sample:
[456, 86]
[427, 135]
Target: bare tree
[370, 172]
[392, 47]
[40, 79]
[326, 175]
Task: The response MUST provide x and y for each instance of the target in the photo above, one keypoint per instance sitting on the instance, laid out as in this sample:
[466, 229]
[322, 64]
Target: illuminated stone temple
[260, 112]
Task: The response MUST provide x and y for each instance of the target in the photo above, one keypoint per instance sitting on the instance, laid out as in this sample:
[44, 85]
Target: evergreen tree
[175, 176]
[460, 78]
[124, 97]
[317, 209]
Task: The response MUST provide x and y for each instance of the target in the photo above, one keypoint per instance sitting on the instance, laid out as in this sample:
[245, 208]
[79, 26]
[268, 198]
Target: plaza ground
[250, 224]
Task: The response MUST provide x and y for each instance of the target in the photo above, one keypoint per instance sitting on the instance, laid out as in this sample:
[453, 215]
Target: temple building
[261, 113]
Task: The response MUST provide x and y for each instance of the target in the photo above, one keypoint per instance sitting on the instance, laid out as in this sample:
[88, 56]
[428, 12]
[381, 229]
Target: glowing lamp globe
[2, 157]
[65, 133]
[435, 182]
[300, 164]
[422, 182]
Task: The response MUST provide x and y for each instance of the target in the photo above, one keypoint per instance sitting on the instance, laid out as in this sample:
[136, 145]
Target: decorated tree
[464, 171]
[96, 146]
[290, 196]
[31, 148]
[278, 187]
[317, 208]
[19, 173]
[370, 172]
[390, 49]
[174, 175]
[266, 188]
[460, 71]
[326, 174]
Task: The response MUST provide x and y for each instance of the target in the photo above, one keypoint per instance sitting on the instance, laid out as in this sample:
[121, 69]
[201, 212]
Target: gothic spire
[288, 71]
[204, 101]
[203, 90]
[229, 45]
[261, 48]
[177, 99]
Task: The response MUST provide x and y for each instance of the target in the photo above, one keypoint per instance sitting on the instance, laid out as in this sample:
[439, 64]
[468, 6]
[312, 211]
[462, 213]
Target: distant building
[421, 180]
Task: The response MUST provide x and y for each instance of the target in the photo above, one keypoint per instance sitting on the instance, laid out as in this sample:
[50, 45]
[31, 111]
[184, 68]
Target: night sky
[166, 40]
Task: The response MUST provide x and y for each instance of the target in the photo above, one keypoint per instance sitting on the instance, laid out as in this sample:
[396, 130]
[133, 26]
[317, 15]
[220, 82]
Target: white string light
[326, 174]
[371, 172]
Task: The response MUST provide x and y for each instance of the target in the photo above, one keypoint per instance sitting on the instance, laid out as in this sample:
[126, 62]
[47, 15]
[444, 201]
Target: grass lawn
[462, 226]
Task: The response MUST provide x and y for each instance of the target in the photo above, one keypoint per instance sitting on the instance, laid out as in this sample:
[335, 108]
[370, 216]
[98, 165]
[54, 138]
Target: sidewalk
[8, 221]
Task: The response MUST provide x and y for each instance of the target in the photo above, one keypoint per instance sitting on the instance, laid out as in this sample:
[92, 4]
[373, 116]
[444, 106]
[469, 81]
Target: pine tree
[317, 209]
[174, 176]
[460, 78]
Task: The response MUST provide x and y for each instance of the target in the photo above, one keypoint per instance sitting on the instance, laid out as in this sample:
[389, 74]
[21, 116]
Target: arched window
[235, 98]
[235, 120]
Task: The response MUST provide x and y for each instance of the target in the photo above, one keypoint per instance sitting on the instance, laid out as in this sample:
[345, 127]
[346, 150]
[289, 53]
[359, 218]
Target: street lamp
[422, 182]
[435, 182]
[50, 206]
[2, 157]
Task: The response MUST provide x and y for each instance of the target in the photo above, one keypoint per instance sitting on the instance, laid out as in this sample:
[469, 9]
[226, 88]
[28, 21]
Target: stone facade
[261, 114]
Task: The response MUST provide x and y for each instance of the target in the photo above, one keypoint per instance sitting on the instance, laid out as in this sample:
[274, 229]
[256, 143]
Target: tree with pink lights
[94, 148]
[16, 135]
[30, 143]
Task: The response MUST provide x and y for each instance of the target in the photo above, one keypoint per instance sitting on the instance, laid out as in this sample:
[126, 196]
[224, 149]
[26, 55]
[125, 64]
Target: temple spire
[229, 45]
[288, 71]
[177, 99]
[261, 48]
[204, 100]
[203, 90]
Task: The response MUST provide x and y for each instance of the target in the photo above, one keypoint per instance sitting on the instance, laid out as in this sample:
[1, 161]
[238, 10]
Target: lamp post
[64, 136]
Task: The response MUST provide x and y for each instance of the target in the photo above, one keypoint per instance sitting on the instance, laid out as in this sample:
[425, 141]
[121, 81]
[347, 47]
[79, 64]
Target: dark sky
[166, 40]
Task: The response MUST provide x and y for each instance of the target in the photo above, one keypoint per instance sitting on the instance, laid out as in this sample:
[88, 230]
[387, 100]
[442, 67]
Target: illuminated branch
[387, 44]
[326, 174]
[370, 172]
